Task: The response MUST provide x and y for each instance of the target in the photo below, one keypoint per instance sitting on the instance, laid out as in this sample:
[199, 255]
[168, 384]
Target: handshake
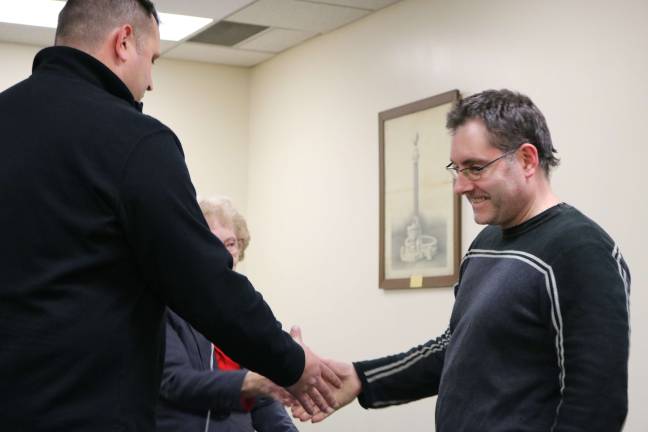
[325, 386]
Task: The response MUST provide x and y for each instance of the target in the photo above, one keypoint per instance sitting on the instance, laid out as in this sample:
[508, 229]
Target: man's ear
[123, 40]
[529, 158]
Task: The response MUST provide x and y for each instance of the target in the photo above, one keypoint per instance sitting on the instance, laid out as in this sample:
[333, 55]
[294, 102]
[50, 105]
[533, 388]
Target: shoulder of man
[575, 229]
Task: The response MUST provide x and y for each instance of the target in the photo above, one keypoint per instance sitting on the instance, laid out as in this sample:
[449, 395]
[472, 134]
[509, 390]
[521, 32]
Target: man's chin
[482, 219]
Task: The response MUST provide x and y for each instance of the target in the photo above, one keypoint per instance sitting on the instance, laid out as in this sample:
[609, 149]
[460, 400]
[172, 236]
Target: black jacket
[99, 230]
[194, 390]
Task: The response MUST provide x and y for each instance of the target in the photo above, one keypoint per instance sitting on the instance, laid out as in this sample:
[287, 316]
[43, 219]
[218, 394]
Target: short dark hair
[86, 22]
[511, 119]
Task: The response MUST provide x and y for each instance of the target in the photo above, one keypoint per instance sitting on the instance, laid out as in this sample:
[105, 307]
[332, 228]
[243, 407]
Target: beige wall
[16, 63]
[313, 197]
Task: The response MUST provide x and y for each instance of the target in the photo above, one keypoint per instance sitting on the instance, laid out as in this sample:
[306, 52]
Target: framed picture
[420, 218]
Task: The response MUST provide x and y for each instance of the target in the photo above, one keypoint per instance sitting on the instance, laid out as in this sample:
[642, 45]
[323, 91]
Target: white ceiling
[290, 23]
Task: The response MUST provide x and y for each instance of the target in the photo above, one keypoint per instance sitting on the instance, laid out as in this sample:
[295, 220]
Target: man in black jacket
[100, 230]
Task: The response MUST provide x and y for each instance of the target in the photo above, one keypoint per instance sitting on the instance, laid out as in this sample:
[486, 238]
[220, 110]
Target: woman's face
[228, 237]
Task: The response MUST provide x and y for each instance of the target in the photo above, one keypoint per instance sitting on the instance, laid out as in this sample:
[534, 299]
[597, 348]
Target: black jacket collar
[71, 60]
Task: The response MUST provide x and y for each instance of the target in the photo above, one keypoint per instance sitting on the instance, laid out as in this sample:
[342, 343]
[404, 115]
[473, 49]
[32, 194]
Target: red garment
[227, 364]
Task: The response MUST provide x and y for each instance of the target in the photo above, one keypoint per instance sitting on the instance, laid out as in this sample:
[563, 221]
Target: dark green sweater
[538, 337]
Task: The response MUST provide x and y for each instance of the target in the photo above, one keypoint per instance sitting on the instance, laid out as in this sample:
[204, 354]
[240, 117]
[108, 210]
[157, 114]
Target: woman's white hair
[221, 209]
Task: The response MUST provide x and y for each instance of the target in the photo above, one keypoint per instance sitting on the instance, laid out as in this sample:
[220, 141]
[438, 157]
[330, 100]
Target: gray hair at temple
[222, 210]
[511, 119]
[85, 23]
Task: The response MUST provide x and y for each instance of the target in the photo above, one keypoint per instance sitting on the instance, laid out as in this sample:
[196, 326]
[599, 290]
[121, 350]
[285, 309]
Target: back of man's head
[85, 24]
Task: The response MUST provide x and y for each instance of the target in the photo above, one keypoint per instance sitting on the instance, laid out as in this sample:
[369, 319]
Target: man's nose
[461, 185]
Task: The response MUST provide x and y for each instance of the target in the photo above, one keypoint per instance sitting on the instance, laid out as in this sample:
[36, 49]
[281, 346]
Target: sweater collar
[76, 62]
[535, 221]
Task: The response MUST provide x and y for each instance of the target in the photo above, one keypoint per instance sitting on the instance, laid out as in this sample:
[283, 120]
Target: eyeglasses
[474, 172]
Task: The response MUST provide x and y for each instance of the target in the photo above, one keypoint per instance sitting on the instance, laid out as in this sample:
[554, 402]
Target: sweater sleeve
[593, 283]
[192, 388]
[189, 267]
[405, 377]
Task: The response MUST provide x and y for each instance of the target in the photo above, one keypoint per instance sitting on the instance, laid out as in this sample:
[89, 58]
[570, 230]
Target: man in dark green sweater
[539, 333]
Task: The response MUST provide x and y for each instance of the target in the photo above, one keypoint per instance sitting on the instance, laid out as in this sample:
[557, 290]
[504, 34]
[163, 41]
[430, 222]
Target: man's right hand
[315, 387]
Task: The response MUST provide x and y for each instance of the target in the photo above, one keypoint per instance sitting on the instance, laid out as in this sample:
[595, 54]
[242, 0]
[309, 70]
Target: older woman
[202, 388]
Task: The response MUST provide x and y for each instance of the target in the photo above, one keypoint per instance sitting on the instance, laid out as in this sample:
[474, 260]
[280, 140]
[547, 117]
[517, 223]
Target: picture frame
[420, 215]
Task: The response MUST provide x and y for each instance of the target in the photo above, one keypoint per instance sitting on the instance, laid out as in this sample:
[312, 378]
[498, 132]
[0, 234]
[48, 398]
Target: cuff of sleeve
[293, 367]
[229, 394]
[366, 397]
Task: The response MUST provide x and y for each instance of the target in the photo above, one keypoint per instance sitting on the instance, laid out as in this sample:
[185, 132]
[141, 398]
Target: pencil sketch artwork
[418, 238]
[418, 214]
[417, 245]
